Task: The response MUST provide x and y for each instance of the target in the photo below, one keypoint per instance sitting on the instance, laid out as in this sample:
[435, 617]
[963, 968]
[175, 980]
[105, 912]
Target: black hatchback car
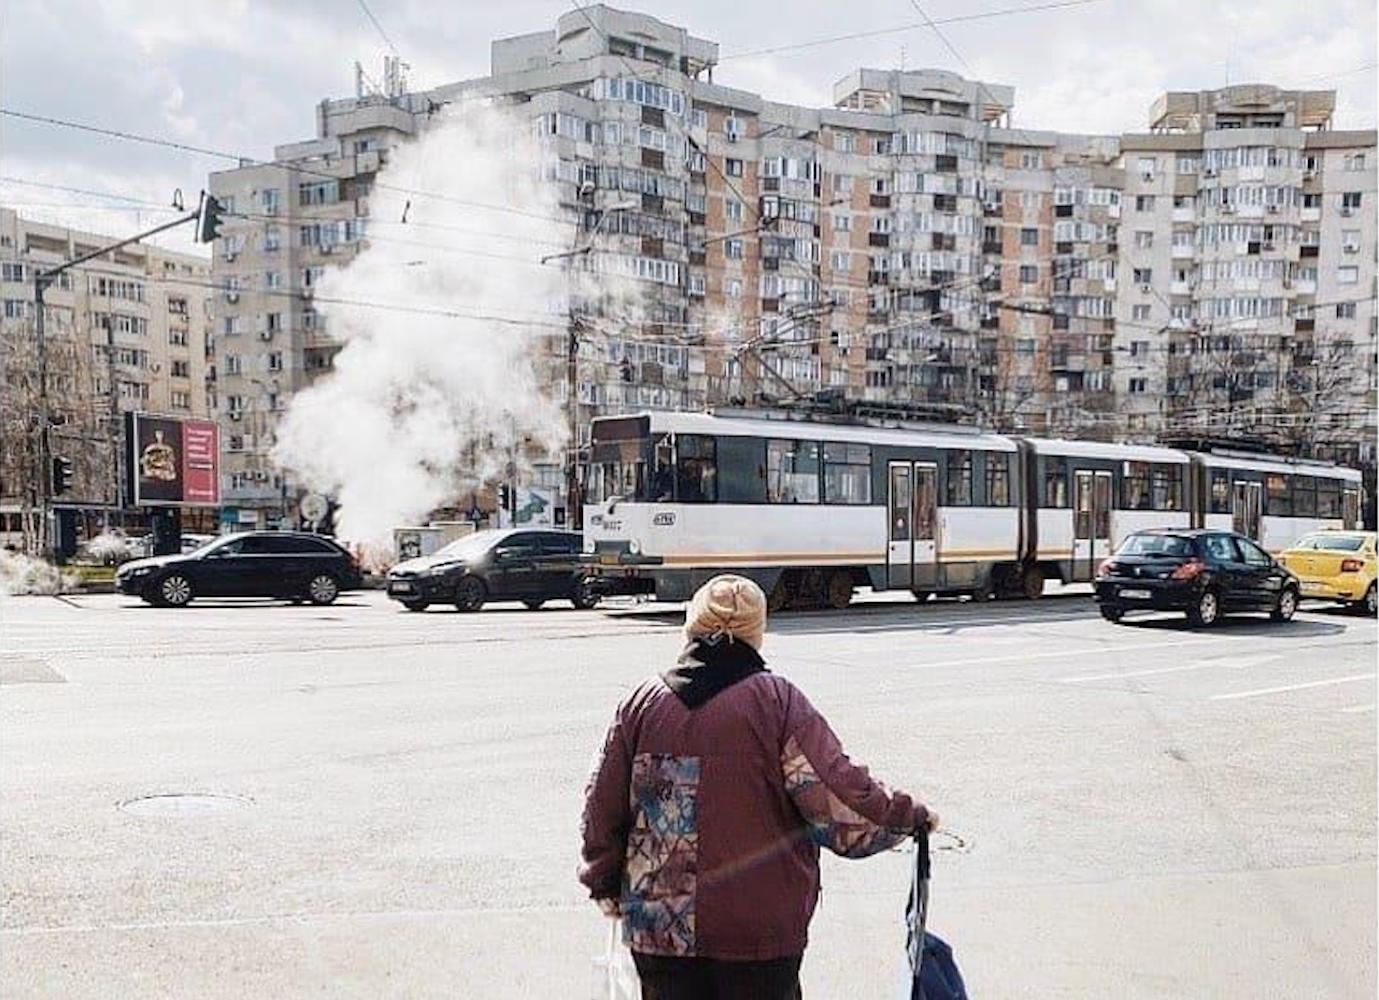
[527, 565]
[1200, 572]
[284, 564]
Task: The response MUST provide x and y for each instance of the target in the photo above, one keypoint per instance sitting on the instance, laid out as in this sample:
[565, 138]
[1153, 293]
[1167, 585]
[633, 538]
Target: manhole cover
[190, 804]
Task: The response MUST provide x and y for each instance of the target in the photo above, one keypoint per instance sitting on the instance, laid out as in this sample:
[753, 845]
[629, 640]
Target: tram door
[912, 507]
[1246, 504]
[1091, 521]
[1350, 508]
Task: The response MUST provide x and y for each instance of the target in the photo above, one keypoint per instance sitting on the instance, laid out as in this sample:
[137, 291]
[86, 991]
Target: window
[733, 209]
[732, 249]
[1278, 500]
[11, 272]
[1328, 498]
[842, 142]
[1055, 484]
[230, 325]
[1345, 310]
[1221, 548]
[181, 369]
[840, 260]
[275, 361]
[847, 473]
[272, 280]
[958, 479]
[1139, 312]
[1147, 166]
[1134, 485]
[1350, 199]
[1355, 162]
[792, 472]
[1025, 347]
[997, 479]
[1031, 161]
[1252, 554]
[1348, 275]
[1144, 239]
[1304, 496]
[1029, 274]
[317, 192]
[1029, 237]
[269, 199]
[1139, 348]
[1139, 386]
[1142, 275]
[696, 285]
[181, 400]
[1220, 499]
[233, 365]
[1144, 203]
[272, 238]
[733, 168]
[696, 470]
[1166, 486]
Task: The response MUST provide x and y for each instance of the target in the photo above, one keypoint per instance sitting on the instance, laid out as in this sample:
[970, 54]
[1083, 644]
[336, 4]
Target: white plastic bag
[615, 973]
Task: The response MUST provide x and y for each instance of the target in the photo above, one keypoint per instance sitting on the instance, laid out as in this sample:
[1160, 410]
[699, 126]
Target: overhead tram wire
[377, 27]
[898, 28]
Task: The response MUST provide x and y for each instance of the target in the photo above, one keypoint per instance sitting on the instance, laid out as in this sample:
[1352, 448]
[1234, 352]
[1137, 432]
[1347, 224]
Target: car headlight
[135, 571]
[635, 547]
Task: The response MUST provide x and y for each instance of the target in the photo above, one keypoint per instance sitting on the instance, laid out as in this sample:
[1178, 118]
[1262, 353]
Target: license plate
[1135, 595]
[400, 588]
[608, 560]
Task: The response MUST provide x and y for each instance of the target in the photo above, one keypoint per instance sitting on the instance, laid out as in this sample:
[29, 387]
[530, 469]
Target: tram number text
[664, 520]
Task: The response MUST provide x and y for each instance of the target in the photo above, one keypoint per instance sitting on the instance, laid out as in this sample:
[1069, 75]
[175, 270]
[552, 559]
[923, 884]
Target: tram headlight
[635, 547]
[588, 545]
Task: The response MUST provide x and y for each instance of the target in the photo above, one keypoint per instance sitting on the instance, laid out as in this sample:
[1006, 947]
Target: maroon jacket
[705, 822]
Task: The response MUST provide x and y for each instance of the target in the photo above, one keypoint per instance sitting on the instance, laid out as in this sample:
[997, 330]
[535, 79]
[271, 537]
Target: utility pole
[573, 501]
[207, 216]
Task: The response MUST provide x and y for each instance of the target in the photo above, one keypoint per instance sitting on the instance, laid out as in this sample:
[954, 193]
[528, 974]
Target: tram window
[997, 479]
[1134, 487]
[1055, 485]
[792, 472]
[847, 473]
[695, 469]
[662, 485]
[1278, 498]
[958, 488]
[1166, 486]
[617, 479]
[1304, 496]
[1220, 491]
[741, 470]
[1328, 498]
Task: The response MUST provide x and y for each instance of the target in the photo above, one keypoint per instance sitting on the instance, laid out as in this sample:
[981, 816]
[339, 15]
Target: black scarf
[708, 666]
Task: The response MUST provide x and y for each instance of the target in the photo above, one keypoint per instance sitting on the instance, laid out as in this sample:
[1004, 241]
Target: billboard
[172, 461]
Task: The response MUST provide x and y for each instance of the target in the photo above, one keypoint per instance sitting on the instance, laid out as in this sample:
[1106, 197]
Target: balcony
[878, 239]
[880, 201]
[1184, 215]
[992, 247]
[1311, 215]
[1181, 251]
[1180, 288]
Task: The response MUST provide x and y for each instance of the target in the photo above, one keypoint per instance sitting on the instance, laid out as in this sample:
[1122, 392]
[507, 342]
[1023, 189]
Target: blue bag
[933, 973]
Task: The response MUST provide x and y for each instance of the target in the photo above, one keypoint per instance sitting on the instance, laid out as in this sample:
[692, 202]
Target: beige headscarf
[727, 605]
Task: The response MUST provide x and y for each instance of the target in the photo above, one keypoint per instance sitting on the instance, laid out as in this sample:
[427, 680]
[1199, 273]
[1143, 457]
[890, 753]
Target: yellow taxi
[1335, 565]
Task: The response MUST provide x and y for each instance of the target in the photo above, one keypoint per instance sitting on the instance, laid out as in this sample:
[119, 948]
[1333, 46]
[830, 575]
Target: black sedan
[283, 564]
[1200, 572]
[524, 565]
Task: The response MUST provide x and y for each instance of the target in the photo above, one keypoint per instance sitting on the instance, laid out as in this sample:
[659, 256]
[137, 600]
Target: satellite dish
[314, 507]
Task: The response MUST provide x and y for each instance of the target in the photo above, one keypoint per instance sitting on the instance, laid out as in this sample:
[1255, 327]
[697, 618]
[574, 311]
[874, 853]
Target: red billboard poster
[173, 462]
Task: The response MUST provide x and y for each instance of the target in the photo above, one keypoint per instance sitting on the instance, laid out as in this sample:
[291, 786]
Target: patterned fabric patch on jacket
[662, 855]
[832, 823]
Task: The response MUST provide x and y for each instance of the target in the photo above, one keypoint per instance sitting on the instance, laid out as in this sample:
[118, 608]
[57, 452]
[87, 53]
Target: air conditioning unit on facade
[232, 296]
[1273, 210]
[230, 254]
[1147, 176]
[327, 248]
[265, 335]
[1209, 172]
[1347, 211]
[1227, 209]
[235, 415]
[1146, 289]
[260, 477]
[1350, 248]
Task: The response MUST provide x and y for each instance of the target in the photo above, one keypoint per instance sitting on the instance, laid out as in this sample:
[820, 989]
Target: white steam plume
[439, 392]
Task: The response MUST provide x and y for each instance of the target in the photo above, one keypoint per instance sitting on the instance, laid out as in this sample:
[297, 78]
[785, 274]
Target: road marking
[1134, 673]
[1357, 709]
[1292, 687]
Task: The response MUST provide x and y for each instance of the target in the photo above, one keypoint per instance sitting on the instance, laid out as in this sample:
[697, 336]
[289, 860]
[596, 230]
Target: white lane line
[1292, 687]
[1135, 673]
[1357, 709]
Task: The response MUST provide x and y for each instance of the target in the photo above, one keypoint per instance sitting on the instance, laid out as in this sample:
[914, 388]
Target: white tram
[811, 510]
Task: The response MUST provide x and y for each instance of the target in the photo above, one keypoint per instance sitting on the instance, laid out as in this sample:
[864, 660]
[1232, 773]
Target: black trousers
[667, 978]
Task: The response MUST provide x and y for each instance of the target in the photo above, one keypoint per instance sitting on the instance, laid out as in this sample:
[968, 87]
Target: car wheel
[584, 598]
[534, 605]
[920, 595]
[1206, 611]
[470, 594]
[416, 605]
[981, 595]
[1286, 606]
[175, 591]
[1112, 614]
[839, 590]
[322, 589]
[1369, 604]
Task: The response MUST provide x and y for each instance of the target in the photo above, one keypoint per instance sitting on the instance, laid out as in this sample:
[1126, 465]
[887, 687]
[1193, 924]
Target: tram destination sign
[172, 461]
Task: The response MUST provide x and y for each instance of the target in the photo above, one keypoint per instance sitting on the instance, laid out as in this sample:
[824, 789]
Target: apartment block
[905, 249]
[127, 331]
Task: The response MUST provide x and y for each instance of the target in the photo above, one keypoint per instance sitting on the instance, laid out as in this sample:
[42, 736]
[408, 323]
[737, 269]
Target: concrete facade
[129, 331]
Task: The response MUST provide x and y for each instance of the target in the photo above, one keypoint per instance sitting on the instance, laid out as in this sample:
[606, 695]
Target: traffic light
[62, 475]
[208, 218]
[504, 496]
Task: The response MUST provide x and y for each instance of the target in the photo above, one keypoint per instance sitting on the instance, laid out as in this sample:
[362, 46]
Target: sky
[241, 76]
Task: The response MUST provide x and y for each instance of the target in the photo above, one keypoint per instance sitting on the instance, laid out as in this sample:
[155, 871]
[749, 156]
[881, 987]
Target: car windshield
[191, 545]
[1154, 546]
[1331, 543]
[216, 544]
[469, 545]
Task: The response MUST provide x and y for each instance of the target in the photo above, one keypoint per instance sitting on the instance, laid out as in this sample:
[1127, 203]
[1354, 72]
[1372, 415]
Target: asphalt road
[1134, 811]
